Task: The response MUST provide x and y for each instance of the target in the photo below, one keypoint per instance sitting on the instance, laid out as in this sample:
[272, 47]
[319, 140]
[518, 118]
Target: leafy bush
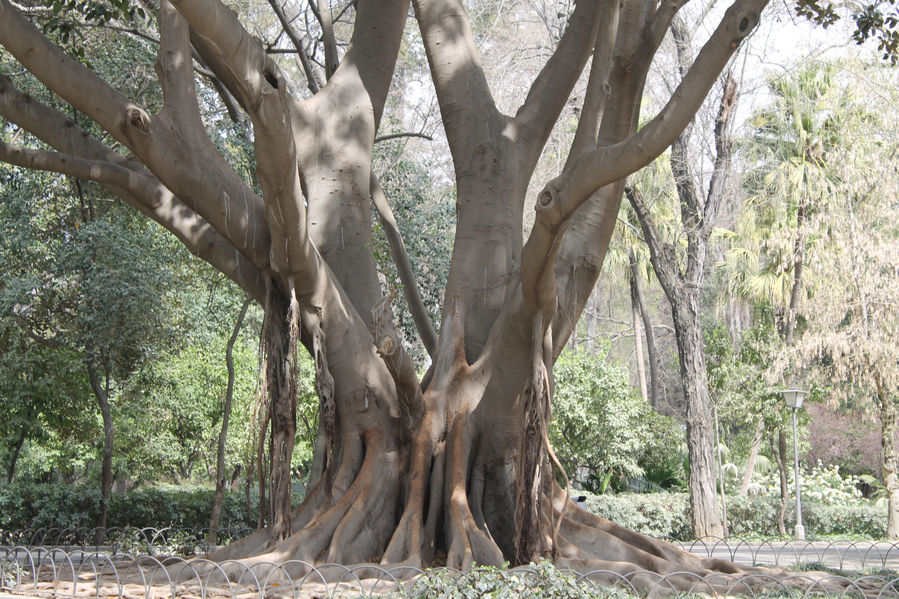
[24, 505]
[821, 484]
[661, 515]
[758, 516]
[666, 515]
[598, 422]
[175, 507]
[539, 581]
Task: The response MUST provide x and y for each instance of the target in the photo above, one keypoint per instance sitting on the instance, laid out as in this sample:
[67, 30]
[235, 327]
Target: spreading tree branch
[462, 90]
[564, 195]
[155, 141]
[174, 65]
[146, 194]
[323, 14]
[263, 91]
[598, 87]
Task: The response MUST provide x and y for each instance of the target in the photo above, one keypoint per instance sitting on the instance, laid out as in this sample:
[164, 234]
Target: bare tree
[683, 287]
[457, 463]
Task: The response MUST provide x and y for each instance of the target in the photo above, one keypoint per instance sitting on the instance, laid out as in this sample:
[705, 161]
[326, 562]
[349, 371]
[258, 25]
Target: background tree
[788, 180]
[852, 330]
[683, 282]
[83, 290]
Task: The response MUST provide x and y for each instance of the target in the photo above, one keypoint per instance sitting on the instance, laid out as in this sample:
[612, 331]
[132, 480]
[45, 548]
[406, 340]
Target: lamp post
[794, 399]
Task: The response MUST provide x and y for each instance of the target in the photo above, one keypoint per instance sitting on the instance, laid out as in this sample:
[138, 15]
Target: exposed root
[467, 543]
[589, 543]
[406, 545]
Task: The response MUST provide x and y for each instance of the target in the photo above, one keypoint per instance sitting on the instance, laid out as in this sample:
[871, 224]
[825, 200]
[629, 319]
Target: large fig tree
[453, 467]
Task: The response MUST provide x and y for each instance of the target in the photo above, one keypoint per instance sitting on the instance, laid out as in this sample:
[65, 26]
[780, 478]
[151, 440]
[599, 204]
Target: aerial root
[363, 531]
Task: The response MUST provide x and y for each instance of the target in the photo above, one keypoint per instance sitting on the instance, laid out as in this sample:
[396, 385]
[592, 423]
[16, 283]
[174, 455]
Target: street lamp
[794, 399]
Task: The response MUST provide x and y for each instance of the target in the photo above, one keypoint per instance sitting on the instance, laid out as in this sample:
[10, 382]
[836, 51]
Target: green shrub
[661, 515]
[179, 508]
[598, 422]
[27, 505]
[539, 581]
[666, 515]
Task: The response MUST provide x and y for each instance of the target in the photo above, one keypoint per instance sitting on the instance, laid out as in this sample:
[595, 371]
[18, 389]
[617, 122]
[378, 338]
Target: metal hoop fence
[56, 572]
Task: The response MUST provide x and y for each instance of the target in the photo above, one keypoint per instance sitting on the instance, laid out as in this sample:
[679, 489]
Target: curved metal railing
[129, 539]
[841, 555]
[56, 572]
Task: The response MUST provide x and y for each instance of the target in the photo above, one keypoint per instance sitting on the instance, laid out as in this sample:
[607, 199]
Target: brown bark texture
[448, 468]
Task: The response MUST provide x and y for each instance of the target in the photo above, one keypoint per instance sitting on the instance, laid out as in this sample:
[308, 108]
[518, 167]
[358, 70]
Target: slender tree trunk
[638, 345]
[753, 456]
[639, 293]
[798, 259]
[223, 434]
[700, 434]
[780, 455]
[17, 448]
[888, 426]
[101, 391]
[720, 474]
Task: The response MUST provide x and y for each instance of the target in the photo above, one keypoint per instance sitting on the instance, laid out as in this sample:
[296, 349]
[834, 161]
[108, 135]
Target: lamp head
[794, 397]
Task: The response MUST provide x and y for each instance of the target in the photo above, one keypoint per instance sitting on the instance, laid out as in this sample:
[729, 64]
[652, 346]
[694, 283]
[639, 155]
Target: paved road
[844, 555]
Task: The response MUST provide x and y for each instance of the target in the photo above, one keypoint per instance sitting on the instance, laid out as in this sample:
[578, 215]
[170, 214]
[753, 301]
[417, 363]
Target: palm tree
[788, 181]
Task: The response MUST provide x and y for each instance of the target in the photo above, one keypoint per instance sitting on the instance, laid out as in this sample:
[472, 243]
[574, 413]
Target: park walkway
[841, 555]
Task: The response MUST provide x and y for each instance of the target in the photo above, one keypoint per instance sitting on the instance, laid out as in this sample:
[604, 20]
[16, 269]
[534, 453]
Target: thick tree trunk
[223, 434]
[101, 392]
[451, 468]
[888, 427]
[700, 434]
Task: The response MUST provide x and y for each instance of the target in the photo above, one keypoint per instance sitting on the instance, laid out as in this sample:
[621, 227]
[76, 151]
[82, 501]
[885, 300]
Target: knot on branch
[382, 329]
[549, 207]
[387, 345]
[138, 119]
[745, 22]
